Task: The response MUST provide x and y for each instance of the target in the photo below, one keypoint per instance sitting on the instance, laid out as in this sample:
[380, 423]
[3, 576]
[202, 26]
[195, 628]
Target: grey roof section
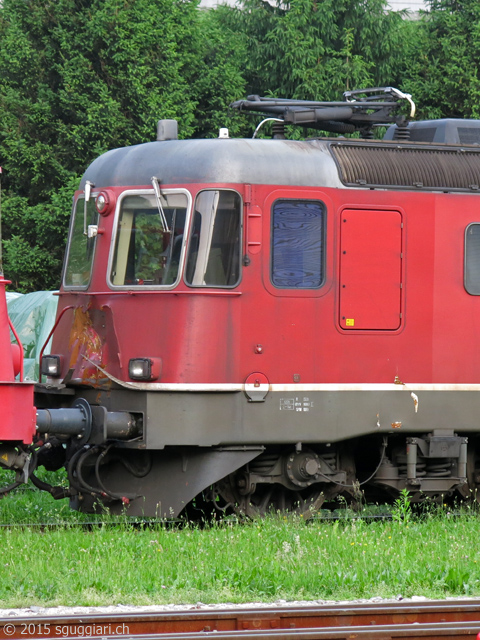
[231, 161]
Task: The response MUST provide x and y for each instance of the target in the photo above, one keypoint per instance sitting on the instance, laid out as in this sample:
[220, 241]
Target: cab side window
[81, 248]
[214, 247]
[298, 244]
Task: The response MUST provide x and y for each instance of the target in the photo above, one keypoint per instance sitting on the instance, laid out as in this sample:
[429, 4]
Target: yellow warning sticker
[350, 322]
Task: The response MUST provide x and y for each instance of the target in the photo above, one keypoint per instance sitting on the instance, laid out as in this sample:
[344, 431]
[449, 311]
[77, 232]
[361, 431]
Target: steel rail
[406, 631]
[444, 618]
[166, 522]
[95, 524]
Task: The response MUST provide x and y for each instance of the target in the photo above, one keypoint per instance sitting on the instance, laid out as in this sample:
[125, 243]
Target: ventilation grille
[376, 165]
[423, 135]
[469, 135]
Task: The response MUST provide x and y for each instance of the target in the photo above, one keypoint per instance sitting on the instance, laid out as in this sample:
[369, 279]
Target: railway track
[91, 526]
[433, 619]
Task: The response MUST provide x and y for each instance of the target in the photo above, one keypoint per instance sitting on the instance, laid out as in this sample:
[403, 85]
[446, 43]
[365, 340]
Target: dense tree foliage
[83, 76]
[442, 60]
[315, 49]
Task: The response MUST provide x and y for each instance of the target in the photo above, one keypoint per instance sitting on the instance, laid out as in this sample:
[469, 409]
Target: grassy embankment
[277, 558]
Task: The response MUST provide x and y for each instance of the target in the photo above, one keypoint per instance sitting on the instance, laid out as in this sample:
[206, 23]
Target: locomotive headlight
[51, 366]
[101, 202]
[144, 368]
[105, 202]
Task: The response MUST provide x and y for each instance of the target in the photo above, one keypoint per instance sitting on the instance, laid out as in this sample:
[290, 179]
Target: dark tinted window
[298, 244]
[472, 259]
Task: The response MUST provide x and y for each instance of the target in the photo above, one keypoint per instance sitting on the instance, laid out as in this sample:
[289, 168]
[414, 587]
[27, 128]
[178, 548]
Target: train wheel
[279, 499]
[274, 498]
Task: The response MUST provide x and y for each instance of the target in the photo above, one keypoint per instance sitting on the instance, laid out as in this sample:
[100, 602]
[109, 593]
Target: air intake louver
[407, 166]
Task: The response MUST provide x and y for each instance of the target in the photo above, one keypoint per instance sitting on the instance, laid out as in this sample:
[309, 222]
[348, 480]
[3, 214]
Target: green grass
[436, 555]
[28, 505]
[265, 560]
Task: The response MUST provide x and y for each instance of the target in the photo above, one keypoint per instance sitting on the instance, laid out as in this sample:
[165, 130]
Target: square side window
[298, 242]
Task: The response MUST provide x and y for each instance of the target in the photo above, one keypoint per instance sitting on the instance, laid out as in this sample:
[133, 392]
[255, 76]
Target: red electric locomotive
[269, 323]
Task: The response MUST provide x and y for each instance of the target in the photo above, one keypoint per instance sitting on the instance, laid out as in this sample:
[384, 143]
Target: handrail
[12, 329]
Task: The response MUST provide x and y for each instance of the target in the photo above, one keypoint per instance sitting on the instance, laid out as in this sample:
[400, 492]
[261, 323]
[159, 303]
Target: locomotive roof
[232, 160]
[397, 163]
[339, 163]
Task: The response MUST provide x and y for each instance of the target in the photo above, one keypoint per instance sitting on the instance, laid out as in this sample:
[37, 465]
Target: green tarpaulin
[33, 316]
